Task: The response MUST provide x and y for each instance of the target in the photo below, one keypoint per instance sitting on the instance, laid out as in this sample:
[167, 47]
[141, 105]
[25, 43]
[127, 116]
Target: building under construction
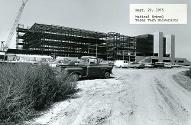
[64, 41]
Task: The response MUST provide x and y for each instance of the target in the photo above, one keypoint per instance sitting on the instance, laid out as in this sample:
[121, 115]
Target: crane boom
[13, 28]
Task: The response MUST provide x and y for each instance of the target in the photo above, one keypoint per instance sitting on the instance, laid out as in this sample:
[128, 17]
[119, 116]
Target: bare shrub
[25, 89]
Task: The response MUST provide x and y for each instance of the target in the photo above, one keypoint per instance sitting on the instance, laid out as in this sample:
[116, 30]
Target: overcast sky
[97, 15]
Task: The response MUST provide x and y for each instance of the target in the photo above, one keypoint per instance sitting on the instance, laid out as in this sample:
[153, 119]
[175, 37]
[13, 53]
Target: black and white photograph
[95, 62]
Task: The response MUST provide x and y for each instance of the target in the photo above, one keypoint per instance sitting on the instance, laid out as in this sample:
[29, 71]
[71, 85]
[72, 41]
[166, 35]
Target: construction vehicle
[5, 44]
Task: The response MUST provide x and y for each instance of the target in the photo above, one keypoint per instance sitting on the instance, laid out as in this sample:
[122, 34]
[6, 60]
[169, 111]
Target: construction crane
[13, 28]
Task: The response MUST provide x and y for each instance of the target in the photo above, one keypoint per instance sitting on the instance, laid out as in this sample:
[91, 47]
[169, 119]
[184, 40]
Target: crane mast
[13, 28]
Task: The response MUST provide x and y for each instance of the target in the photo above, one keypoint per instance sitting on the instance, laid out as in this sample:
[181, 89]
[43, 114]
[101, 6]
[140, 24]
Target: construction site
[58, 73]
[55, 41]
[60, 41]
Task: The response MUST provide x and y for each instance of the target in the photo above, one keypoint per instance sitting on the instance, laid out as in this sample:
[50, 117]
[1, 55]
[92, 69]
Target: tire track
[170, 104]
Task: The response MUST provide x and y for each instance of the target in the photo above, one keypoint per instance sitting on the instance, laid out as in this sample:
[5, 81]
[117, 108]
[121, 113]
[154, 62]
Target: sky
[96, 15]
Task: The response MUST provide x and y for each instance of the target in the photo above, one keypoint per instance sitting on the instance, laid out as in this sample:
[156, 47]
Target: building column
[172, 55]
[161, 46]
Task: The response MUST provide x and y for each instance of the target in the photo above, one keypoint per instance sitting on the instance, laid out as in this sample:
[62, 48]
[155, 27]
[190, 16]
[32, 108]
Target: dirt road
[132, 97]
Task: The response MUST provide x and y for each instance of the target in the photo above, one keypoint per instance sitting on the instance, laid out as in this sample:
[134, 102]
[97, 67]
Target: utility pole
[88, 48]
[96, 50]
[129, 56]
[2, 45]
[123, 55]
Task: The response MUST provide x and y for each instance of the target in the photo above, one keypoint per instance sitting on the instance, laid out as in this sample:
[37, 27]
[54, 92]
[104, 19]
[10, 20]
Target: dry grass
[25, 89]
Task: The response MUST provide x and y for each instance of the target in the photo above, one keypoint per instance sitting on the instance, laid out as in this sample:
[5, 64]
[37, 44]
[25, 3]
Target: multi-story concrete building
[160, 48]
[144, 45]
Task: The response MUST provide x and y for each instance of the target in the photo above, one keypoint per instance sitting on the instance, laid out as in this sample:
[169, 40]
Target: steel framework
[64, 41]
[120, 47]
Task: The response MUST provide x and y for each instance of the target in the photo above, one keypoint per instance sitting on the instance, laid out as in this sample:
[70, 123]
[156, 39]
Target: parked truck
[89, 67]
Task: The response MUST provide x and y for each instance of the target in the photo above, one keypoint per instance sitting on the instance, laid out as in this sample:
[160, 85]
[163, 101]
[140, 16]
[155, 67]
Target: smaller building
[2, 56]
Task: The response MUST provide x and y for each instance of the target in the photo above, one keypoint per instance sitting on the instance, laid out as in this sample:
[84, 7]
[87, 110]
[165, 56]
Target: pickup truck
[89, 67]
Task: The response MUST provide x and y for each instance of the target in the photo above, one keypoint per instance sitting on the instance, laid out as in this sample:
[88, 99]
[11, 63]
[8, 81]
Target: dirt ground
[132, 97]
